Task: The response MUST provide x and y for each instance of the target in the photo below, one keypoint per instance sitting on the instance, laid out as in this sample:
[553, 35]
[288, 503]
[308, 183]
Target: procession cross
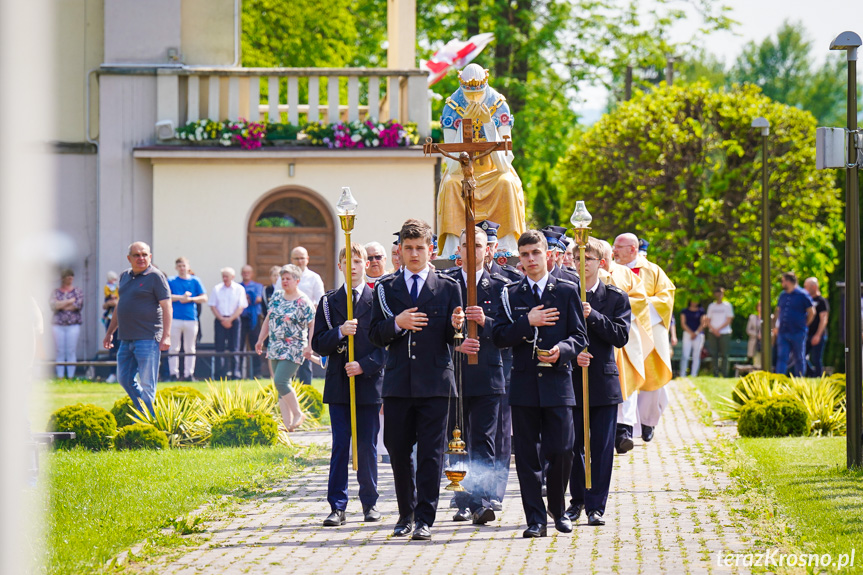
[468, 151]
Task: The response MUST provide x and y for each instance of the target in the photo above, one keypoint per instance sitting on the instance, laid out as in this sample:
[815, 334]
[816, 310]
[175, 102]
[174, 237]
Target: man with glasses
[143, 317]
[377, 262]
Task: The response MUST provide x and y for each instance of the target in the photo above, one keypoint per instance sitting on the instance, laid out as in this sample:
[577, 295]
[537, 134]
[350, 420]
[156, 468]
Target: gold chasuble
[630, 358]
[660, 296]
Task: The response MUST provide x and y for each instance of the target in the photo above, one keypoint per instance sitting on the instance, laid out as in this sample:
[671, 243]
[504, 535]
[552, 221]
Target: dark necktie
[354, 298]
[536, 294]
[589, 297]
[415, 292]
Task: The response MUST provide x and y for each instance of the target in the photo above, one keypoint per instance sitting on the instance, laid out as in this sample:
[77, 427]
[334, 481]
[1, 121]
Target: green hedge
[239, 428]
[311, 400]
[94, 427]
[775, 416]
[140, 436]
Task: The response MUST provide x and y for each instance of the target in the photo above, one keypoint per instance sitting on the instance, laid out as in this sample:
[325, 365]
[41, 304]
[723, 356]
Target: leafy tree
[546, 202]
[681, 167]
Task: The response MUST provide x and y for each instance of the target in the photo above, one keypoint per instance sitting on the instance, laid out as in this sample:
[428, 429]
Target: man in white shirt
[228, 302]
[719, 316]
[312, 285]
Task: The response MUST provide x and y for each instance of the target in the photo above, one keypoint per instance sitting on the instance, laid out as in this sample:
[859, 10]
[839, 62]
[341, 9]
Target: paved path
[664, 515]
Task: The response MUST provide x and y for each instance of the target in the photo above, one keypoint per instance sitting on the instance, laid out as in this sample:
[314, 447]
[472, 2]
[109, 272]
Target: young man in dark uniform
[541, 312]
[330, 339]
[483, 386]
[608, 316]
[412, 315]
[554, 236]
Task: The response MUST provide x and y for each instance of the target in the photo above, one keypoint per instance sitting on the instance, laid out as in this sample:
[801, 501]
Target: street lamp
[850, 41]
[580, 221]
[347, 213]
[764, 126]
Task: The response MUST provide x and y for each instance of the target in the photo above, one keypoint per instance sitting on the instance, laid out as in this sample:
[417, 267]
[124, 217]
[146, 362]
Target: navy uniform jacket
[530, 385]
[607, 328]
[565, 274]
[507, 271]
[419, 364]
[332, 313]
[486, 377]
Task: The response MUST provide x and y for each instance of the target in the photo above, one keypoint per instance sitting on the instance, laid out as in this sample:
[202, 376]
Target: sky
[758, 19]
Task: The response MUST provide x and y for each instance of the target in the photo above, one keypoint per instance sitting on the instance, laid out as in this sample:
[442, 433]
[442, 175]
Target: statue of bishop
[499, 196]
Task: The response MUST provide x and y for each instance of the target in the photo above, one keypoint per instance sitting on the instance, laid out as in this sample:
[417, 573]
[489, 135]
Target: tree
[681, 167]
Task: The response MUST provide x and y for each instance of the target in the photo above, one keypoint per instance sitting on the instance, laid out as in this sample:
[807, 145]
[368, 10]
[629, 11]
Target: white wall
[201, 207]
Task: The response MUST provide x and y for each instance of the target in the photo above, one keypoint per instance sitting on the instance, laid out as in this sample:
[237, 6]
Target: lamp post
[850, 41]
[764, 126]
[347, 213]
[580, 220]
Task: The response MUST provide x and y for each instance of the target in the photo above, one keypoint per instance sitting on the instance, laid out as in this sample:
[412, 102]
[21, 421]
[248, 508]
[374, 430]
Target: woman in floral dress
[289, 321]
[66, 303]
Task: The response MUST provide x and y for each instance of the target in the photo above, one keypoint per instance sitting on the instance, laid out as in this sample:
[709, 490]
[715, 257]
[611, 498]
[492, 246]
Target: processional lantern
[347, 206]
[580, 221]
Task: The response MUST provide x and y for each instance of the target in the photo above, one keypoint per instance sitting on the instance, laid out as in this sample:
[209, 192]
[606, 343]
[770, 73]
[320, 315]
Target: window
[291, 212]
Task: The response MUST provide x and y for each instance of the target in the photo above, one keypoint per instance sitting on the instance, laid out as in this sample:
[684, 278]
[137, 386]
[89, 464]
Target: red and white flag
[456, 53]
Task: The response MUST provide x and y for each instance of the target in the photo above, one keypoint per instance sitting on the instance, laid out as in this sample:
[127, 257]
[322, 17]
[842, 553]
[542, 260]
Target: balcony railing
[274, 94]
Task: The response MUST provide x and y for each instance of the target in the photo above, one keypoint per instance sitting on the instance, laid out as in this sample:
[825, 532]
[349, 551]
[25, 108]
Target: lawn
[98, 504]
[806, 477]
[51, 395]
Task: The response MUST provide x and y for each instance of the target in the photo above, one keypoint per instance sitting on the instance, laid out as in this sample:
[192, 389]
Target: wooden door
[286, 219]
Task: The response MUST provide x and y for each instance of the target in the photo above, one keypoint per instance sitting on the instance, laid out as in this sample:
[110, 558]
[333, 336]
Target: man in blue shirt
[250, 319]
[794, 312]
[187, 292]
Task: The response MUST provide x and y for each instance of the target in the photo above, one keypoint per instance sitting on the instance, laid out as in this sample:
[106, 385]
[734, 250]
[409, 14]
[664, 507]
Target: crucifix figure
[468, 151]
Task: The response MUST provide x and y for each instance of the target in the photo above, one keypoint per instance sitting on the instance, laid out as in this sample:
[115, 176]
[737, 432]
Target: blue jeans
[790, 356]
[815, 365]
[368, 427]
[141, 357]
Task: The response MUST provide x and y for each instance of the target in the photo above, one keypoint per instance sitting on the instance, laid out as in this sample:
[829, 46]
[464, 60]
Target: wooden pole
[469, 225]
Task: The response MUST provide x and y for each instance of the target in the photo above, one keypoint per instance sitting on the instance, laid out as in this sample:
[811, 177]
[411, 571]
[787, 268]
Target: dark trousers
[420, 421]
[368, 426]
[718, 349]
[304, 373]
[815, 365]
[551, 430]
[227, 339]
[502, 448]
[790, 356]
[603, 424]
[249, 337]
[480, 418]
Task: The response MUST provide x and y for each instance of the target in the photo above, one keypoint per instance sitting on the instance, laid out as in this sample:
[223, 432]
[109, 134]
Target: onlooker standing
[816, 335]
[794, 311]
[229, 301]
[719, 316]
[753, 330]
[692, 322]
[250, 319]
[66, 302]
[377, 262]
[395, 256]
[312, 285]
[143, 317]
[112, 294]
[187, 292]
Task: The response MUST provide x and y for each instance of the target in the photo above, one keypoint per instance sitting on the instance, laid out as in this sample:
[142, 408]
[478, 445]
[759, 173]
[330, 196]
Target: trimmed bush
[94, 427]
[775, 416]
[310, 400]
[180, 391]
[122, 411]
[140, 436]
[240, 428]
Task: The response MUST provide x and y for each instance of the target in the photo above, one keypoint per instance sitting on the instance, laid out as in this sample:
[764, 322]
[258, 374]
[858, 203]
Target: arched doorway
[285, 219]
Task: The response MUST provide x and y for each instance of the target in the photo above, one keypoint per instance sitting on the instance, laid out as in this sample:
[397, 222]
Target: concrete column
[402, 34]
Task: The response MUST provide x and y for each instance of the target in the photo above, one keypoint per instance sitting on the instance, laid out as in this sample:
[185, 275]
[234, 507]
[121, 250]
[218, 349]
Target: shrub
[140, 436]
[94, 427]
[824, 402]
[180, 418]
[776, 416]
[180, 391]
[311, 401]
[122, 411]
[753, 386]
[239, 428]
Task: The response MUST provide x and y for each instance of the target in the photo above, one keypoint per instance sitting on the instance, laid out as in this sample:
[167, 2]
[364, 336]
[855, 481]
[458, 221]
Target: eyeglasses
[139, 255]
[592, 259]
[376, 258]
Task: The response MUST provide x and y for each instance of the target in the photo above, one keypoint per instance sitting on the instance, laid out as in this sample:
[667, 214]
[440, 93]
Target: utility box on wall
[831, 148]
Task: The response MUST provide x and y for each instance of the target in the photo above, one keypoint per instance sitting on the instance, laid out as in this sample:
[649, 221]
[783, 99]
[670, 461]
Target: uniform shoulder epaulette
[566, 281]
[500, 277]
[448, 277]
[614, 288]
[451, 271]
[386, 278]
[331, 293]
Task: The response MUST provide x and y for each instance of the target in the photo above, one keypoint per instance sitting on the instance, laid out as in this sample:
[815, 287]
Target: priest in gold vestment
[498, 196]
[652, 398]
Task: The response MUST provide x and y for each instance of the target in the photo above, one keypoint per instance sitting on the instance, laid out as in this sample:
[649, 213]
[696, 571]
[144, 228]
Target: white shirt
[718, 313]
[541, 283]
[226, 300]
[596, 285]
[312, 285]
[477, 278]
[409, 281]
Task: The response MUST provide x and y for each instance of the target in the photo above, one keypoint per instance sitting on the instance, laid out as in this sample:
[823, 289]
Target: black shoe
[574, 512]
[496, 505]
[563, 524]
[404, 526]
[534, 531]
[335, 519]
[646, 432]
[422, 532]
[595, 518]
[624, 444]
[482, 516]
[461, 515]
[371, 513]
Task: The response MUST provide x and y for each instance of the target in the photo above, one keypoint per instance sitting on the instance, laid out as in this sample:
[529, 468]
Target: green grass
[714, 389]
[98, 504]
[50, 396]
